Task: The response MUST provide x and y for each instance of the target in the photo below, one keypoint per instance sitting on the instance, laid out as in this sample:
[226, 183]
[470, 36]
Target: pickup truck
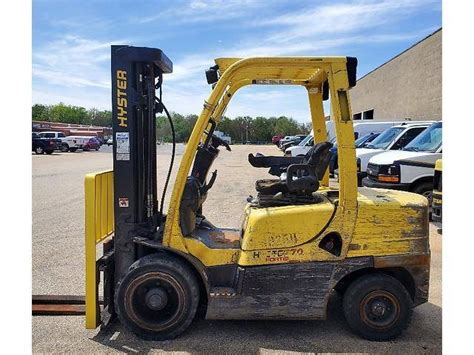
[410, 169]
[43, 145]
[68, 143]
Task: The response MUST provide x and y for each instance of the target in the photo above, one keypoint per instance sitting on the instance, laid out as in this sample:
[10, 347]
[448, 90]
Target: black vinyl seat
[299, 177]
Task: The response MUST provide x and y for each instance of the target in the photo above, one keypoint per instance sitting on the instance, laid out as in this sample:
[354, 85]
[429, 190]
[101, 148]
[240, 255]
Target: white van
[394, 138]
[409, 169]
[360, 129]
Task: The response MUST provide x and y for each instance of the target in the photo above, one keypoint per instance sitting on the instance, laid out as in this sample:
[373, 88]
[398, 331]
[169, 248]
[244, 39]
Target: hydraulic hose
[172, 153]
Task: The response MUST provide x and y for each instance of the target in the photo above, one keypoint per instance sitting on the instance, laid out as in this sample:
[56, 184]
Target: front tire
[425, 189]
[39, 150]
[377, 307]
[157, 298]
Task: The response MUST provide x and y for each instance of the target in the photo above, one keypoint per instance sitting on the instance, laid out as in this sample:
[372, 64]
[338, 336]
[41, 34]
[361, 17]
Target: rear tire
[377, 307]
[64, 148]
[39, 150]
[157, 298]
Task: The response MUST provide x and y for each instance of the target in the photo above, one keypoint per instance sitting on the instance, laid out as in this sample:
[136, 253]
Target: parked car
[110, 141]
[284, 140]
[292, 142]
[394, 138]
[68, 143]
[409, 169]
[92, 144]
[361, 142]
[101, 140]
[360, 129]
[43, 145]
[276, 139]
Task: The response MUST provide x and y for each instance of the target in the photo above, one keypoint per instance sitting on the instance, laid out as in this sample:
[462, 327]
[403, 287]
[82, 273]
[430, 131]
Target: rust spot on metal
[225, 236]
[401, 260]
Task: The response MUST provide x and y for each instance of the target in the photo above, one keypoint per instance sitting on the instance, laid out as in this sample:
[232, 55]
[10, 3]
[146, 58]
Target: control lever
[216, 142]
[207, 187]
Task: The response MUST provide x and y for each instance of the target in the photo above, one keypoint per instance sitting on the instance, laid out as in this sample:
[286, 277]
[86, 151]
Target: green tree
[241, 129]
[40, 112]
[69, 114]
[286, 126]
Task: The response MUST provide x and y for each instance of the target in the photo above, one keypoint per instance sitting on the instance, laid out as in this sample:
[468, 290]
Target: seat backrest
[319, 156]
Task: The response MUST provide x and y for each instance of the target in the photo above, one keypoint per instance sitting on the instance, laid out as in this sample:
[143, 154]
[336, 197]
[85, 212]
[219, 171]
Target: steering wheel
[216, 142]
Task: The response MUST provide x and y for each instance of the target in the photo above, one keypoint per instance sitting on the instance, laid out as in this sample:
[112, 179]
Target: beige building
[406, 86]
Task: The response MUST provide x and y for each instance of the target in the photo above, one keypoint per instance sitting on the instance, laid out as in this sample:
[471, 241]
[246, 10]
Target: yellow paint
[99, 225]
[438, 195]
[211, 257]
[285, 226]
[318, 121]
[389, 222]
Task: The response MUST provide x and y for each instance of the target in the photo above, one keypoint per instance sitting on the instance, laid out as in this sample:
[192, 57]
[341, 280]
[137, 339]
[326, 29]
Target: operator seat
[299, 177]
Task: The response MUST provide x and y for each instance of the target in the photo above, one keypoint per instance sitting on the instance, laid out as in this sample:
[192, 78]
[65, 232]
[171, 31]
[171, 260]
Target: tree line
[71, 114]
[241, 129]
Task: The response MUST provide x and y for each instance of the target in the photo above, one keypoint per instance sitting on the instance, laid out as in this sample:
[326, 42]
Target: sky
[71, 44]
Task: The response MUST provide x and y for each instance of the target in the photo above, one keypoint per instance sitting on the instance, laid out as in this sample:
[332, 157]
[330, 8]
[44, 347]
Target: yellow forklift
[299, 239]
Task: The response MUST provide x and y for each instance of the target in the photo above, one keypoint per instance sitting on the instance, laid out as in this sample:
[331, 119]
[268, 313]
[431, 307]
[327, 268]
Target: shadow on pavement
[332, 335]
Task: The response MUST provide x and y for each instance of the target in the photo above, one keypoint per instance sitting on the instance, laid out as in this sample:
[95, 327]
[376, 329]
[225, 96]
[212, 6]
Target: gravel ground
[58, 238]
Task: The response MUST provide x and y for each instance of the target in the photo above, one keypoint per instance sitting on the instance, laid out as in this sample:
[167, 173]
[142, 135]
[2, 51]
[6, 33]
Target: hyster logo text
[122, 97]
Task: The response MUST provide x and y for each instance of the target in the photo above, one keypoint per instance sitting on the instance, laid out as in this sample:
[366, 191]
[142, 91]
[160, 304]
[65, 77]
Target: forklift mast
[136, 77]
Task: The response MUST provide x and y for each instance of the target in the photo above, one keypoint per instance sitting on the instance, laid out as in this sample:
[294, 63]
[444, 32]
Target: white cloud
[340, 18]
[204, 11]
[73, 61]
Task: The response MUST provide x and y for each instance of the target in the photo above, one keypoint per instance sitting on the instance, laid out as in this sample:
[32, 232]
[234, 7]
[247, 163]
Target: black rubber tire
[167, 267]
[361, 289]
[425, 189]
[64, 147]
[39, 150]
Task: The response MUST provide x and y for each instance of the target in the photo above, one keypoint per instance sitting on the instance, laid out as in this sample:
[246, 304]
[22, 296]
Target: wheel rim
[155, 301]
[39, 150]
[64, 149]
[380, 309]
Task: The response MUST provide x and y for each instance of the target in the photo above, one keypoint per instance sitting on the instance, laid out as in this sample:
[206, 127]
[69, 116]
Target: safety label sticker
[123, 201]
[123, 146]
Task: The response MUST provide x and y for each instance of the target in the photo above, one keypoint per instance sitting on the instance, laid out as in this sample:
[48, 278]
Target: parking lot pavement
[58, 268]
